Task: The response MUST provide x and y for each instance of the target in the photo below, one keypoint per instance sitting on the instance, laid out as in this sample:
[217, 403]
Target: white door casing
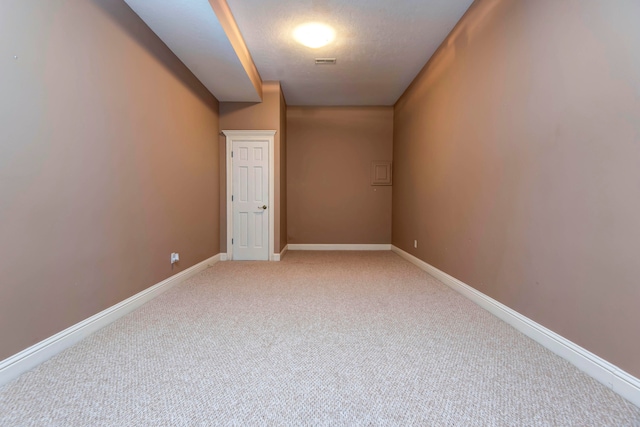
[250, 186]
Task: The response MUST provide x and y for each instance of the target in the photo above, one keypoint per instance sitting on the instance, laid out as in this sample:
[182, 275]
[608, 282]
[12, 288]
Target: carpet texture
[321, 338]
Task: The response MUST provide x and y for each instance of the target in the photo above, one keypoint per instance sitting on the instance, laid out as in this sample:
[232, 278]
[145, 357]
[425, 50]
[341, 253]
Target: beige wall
[329, 154]
[516, 165]
[265, 115]
[283, 172]
[108, 163]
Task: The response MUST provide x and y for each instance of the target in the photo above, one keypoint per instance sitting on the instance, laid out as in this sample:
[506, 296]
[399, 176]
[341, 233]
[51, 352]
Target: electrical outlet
[415, 243]
[175, 257]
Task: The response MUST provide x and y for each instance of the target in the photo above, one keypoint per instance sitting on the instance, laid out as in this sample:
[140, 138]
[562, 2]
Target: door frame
[250, 135]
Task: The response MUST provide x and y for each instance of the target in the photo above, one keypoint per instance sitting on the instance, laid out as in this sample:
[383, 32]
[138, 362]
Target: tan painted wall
[329, 154]
[108, 163]
[516, 165]
[283, 171]
[254, 116]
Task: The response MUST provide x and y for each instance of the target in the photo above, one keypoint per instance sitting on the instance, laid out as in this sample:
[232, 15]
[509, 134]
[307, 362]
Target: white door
[251, 210]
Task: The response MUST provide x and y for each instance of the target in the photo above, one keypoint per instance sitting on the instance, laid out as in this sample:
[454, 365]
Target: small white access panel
[251, 208]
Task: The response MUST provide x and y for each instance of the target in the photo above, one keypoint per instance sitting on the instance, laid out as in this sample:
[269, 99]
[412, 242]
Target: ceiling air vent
[325, 61]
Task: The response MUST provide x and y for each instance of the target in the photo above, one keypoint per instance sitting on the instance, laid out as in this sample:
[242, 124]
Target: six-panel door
[250, 200]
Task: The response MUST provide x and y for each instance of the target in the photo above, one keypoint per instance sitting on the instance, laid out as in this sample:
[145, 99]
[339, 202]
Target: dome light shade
[314, 35]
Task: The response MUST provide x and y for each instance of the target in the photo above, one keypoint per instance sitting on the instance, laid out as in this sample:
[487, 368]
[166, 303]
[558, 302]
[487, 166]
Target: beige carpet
[328, 338]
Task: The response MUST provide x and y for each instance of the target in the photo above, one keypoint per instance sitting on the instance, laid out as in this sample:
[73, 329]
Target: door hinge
[232, 197]
[232, 154]
[232, 241]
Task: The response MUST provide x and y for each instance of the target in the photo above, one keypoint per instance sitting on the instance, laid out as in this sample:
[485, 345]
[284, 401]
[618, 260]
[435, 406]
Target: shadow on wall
[148, 39]
[234, 107]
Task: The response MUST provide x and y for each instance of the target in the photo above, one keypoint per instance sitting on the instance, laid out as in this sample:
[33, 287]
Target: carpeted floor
[321, 338]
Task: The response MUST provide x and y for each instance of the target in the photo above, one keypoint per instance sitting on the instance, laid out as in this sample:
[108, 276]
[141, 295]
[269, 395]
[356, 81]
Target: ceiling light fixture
[314, 35]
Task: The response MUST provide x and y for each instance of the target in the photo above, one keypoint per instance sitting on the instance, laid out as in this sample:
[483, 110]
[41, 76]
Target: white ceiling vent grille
[325, 61]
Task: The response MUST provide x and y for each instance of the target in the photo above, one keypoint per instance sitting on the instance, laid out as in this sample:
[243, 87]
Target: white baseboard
[274, 257]
[621, 382]
[31, 357]
[338, 247]
[278, 257]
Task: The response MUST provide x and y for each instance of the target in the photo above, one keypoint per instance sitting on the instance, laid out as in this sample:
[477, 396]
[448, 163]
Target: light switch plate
[380, 173]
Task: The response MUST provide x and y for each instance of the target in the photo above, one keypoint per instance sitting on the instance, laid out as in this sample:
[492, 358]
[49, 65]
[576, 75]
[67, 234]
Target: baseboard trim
[278, 257]
[31, 357]
[621, 382]
[223, 256]
[338, 247]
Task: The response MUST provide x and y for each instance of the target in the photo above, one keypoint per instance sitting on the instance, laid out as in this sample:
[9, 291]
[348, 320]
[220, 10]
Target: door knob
[262, 207]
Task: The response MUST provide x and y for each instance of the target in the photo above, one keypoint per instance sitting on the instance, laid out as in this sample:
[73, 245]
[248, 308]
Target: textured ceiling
[192, 31]
[380, 45]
